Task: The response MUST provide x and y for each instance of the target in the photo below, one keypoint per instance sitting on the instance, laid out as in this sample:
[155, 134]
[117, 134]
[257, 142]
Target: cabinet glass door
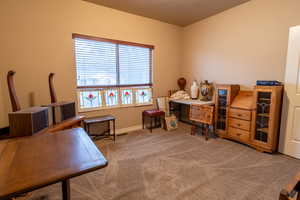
[262, 116]
[222, 108]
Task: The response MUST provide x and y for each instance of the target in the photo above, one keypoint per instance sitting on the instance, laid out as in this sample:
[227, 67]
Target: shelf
[265, 130]
[263, 114]
[222, 107]
[264, 99]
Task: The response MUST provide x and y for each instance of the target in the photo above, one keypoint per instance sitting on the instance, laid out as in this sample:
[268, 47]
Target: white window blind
[96, 62]
[111, 63]
[134, 63]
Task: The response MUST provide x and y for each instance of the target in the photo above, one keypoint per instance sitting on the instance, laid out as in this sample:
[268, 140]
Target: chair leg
[151, 120]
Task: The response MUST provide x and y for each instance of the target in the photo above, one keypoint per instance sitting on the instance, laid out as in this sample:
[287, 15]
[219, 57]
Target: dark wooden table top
[32, 162]
[98, 119]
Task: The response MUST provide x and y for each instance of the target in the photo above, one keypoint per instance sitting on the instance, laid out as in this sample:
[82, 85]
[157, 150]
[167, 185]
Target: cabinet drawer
[238, 134]
[238, 123]
[240, 114]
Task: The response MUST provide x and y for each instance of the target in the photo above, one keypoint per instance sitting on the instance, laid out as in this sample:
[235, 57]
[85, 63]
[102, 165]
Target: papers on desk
[191, 101]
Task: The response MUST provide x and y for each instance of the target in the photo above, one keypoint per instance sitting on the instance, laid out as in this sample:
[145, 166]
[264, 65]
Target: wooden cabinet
[250, 117]
[267, 112]
[224, 96]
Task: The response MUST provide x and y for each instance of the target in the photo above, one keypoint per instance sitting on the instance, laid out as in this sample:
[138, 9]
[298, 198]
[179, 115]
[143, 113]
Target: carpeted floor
[175, 165]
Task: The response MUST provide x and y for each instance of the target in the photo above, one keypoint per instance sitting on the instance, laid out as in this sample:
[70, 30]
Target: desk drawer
[240, 114]
[238, 134]
[238, 123]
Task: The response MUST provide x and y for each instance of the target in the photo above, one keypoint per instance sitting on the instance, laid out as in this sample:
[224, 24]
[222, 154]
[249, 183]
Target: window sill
[113, 107]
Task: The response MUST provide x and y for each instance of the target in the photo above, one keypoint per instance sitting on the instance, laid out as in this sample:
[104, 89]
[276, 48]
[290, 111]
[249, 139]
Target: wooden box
[28, 121]
[61, 111]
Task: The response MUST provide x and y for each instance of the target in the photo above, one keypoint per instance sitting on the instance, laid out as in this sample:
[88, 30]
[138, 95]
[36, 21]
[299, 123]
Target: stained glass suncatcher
[111, 97]
[126, 97]
[90, 99]
[143, 96]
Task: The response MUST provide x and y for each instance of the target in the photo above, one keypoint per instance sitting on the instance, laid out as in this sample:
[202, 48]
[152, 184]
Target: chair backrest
[202, 113]
[12, 92]
[163, 105]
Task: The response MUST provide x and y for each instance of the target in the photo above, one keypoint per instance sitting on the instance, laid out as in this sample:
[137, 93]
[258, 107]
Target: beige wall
[35, 39]
[241, 45]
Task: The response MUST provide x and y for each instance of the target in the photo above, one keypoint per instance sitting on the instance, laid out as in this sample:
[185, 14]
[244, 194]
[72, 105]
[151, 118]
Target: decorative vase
[181, 83]
[206, 90]
[194, 90]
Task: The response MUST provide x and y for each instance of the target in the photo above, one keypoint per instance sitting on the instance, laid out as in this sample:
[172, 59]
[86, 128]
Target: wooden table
[94, 120]
[33, 162]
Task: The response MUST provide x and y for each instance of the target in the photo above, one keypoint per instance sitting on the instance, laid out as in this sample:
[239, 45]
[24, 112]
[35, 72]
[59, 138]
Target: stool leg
[108, 129]
[151, 119]
[114, 129]
[143, 119]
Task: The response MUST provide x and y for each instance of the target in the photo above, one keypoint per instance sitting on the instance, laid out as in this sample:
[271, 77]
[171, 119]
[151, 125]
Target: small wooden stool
[107, 118]
[153, 115]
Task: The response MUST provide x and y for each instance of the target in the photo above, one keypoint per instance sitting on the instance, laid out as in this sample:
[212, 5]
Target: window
[112, 73]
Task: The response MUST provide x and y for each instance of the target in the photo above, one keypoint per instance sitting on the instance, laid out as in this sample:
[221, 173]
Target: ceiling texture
[178, 12]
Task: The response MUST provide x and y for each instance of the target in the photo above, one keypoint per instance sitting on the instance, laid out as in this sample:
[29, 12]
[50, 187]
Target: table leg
[206, 132]
[66, 189]
[114, 129]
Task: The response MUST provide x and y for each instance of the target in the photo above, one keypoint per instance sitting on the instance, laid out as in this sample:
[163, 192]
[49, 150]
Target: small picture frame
[171, 123]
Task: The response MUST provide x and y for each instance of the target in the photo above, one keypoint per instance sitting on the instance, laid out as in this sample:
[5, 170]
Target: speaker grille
[40, 121]
[68, 111]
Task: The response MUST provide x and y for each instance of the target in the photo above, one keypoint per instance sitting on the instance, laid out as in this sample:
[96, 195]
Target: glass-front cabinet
[222, 109]
[267, 112]
[224, 96]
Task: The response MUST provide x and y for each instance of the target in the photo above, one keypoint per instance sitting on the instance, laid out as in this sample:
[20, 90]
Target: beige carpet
[176, 165]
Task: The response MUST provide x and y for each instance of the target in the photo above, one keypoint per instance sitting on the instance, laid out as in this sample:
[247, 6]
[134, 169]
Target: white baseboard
[128, 129]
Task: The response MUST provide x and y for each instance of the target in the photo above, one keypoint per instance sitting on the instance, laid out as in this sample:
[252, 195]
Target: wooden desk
[29, 163]
[181, 108]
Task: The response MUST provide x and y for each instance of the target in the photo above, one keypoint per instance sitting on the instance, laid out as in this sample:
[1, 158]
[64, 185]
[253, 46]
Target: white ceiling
[178, 12]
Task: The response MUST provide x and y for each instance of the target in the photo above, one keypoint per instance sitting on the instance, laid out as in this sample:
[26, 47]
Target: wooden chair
[12, 92]
[291, 190]
[202, 114]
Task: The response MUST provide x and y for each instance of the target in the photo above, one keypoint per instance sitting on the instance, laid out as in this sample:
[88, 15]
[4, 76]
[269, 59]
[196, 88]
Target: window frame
[103, 88]
[117, 42]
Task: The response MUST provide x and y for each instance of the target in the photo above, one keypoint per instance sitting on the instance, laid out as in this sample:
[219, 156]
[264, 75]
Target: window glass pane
[90, 99]
[134, 65]
[126, 96]
[95, 62]
[143, 96]
[111, 97]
